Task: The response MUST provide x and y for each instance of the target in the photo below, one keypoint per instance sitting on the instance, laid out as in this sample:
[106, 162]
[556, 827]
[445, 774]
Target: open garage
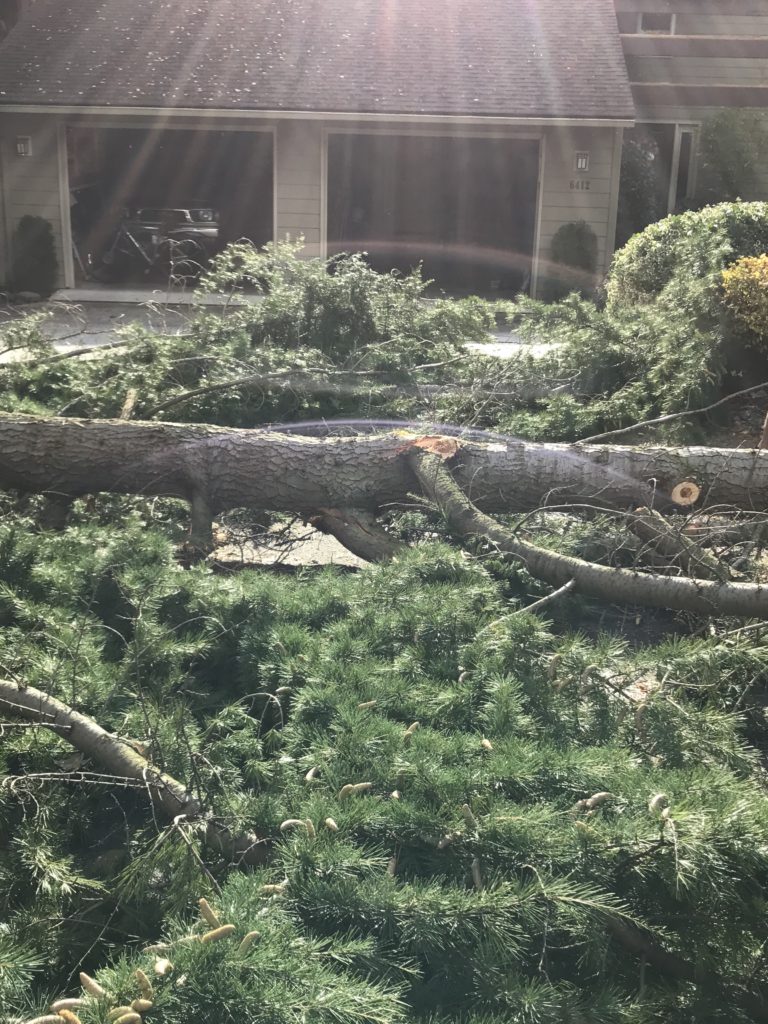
[463, 206]
[133, 187]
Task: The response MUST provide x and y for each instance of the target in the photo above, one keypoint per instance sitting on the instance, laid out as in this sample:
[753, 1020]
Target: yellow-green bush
[745, 289]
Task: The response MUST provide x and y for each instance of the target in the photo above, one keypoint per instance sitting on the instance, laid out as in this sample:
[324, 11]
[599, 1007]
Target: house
[687, 60]
[461, 133]
[457, 133]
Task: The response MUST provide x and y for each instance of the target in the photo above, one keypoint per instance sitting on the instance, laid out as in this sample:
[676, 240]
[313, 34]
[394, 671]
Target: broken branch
[119, 758]
[619, 586]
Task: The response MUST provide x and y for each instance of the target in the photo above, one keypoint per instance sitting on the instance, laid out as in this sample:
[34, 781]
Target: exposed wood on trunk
[619, 586]
[131, 397]
[118, 757]
[359, 532]
[284, 472]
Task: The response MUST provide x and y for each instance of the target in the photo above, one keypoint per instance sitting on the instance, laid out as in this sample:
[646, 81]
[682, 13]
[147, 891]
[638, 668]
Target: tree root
[118, 757]
[619, 586]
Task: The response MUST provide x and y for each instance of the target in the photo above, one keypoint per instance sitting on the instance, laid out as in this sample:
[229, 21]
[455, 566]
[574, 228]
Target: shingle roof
[521, 58]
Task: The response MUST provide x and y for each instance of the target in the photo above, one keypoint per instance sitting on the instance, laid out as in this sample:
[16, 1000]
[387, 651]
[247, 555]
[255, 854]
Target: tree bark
[280, 472]
[619, 586]
[119, 758]
[359, 533]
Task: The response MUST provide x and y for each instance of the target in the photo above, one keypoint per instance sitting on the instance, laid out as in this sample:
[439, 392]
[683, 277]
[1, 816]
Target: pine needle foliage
[472, 814]
[471, 881]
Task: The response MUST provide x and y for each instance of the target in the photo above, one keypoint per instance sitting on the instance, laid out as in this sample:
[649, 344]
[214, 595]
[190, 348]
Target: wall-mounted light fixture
[582, 162]
[23, 145]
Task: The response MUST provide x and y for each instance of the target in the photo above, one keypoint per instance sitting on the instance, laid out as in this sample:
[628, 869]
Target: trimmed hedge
[745, 290]
[573, 252]
[693, 246]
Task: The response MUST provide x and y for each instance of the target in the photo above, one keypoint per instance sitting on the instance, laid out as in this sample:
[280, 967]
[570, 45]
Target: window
[686, 165]
[658, 24]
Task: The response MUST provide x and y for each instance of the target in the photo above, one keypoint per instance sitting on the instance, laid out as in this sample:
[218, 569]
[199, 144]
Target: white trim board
[64, 203]
[321, 115]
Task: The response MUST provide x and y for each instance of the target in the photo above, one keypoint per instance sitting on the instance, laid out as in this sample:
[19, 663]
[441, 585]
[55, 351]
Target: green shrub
[34, 266]
[688, 250]
[734, 149]
[573, 254]
[745, 290]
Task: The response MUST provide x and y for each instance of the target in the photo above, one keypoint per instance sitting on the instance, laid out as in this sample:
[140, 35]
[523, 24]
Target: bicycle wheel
[180, 260]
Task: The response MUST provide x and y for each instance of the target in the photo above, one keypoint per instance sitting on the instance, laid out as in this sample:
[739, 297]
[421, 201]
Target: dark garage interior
[213, 185]
[464, 207]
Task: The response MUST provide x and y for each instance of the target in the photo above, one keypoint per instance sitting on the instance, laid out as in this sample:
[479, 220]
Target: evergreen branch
[92, 778]
[116, 755]
[639, 943]
[619, 586]
[531, 608]
[670, 417]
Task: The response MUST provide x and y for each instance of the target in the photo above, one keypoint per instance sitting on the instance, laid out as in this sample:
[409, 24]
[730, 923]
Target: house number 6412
[580, 185]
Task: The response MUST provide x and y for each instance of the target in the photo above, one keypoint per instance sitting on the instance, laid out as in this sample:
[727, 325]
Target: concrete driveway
[92, 318]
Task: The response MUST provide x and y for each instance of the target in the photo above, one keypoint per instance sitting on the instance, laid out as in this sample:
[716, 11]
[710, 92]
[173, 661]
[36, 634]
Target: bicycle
[136, 249]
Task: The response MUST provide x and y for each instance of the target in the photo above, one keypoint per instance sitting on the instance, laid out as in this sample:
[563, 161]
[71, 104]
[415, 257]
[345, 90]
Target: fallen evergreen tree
[337, 479]
[558, 798]
[435, 790]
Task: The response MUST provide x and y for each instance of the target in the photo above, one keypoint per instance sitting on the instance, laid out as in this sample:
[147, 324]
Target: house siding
[299, 201]
[704, 17]
[561, 203]
[726, 24]
[31, 185]
[698, 70]
[717, 59]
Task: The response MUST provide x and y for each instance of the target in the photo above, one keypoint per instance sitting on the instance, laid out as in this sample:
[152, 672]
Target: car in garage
[197, 221]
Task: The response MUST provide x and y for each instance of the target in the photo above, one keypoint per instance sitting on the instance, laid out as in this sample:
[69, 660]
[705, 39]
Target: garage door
[464, 207]
[226, 174]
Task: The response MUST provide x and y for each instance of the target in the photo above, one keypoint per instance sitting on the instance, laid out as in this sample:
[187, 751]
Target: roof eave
[542, 120]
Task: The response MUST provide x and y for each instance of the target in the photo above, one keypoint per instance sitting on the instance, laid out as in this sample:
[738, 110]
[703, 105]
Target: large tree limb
[359, 532]
[118, 757]
[281, 472]
[616, 585]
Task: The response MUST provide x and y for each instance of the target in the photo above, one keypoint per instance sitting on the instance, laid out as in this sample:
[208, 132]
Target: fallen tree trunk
[259, 469]
[115, 755]
[217, 469]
